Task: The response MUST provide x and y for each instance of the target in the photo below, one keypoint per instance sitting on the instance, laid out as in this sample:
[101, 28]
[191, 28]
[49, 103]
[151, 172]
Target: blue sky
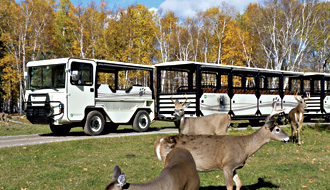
[180, 7]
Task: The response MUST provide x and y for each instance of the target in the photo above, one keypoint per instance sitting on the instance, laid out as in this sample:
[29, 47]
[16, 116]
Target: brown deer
[225, 152]
[214, 124]
[296, 117]
[179, 173]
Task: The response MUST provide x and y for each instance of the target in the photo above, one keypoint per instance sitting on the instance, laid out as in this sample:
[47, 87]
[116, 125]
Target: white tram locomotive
[68, 92]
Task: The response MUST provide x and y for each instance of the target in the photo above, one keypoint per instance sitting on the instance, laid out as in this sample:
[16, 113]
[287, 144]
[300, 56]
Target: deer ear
[122, 180]
[269, 125]
[116, 173]
[186, 104]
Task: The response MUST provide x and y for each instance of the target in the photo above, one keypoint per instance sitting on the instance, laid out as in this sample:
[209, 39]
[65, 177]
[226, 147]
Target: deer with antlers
[296, 117]
[179, 173]
[224, 152]
[214, 124]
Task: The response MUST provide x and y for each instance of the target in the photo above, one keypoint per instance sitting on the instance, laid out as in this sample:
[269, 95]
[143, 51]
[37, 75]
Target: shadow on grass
[321, 127]
[261, 184]
[119, 131]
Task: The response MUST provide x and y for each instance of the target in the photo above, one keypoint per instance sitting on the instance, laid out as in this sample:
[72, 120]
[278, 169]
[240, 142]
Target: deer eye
[277, 130]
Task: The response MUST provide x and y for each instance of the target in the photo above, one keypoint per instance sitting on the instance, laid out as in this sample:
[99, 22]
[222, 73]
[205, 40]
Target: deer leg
[237, 181]
[299, 132]
[228, 173]
[293, 131]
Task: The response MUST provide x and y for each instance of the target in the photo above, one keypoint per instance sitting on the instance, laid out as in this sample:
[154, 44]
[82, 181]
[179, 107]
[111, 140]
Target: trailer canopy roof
[187, 64]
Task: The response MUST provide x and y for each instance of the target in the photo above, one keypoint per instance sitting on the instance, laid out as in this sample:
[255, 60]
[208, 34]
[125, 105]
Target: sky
[180, 7]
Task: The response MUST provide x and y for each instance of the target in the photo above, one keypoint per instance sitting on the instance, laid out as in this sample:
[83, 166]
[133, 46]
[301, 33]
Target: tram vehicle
[244, 93]
[70, 92]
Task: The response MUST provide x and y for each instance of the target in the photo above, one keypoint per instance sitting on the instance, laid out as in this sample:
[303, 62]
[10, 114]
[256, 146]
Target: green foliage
[249, 128]
[234, 126]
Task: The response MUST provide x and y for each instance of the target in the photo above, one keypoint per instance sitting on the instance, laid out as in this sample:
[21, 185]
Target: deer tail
[157, 148]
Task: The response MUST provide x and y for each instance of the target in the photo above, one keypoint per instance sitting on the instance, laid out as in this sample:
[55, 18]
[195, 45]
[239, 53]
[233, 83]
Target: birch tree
[206, 34]
[41, 26]
[63, 38]
[185, 40]
[165, 34]
[97, 23]
[14, 37]
[197, 26]
[321, 49]
[284, 29]
[80, 20]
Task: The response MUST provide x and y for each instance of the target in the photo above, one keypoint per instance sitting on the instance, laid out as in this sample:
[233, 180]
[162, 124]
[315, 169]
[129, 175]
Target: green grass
[22, 129]
[88, 164]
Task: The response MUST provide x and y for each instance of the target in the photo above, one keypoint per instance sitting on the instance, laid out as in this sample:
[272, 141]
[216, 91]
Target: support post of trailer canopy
[198, 89]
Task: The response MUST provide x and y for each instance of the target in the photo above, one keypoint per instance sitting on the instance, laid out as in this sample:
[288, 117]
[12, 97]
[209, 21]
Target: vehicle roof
[238, 68]
[100, 62]
[128, 65]
[47, 62]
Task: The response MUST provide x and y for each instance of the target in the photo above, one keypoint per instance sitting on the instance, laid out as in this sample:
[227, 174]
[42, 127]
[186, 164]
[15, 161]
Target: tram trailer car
[66, 93]
[244, 93]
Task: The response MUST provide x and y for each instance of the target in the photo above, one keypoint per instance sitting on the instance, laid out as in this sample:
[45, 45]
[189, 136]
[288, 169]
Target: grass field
[88, 164]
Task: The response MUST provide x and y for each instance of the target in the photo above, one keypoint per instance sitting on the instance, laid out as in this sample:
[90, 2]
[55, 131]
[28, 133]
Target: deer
[296, 117]
[223, 152]
[179, 173]
[214, 124]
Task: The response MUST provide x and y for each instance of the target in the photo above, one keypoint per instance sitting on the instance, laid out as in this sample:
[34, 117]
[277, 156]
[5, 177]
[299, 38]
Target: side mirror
[74, 76]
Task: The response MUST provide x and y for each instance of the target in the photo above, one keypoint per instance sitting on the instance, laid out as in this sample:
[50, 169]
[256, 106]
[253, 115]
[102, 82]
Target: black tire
[141, 121]
[60, 130]
[94, 123]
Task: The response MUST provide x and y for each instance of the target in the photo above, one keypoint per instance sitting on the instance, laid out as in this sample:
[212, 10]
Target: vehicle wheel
[60, 129]
[94, 123]
[141, 121]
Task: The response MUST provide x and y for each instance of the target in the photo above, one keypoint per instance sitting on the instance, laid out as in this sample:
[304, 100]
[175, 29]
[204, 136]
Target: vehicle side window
[81, 74]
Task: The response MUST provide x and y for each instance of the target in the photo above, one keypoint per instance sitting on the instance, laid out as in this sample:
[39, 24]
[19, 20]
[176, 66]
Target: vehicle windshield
[46, 77]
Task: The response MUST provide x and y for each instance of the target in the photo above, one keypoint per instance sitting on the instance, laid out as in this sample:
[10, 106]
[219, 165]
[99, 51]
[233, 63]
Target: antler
[177, 102]
[296, 97]
[185, 100]
[308, 96]
[172, 100]
[274, 111]
[274, 104]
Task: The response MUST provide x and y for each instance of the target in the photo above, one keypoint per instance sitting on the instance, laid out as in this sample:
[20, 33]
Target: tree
[249, 41]
[136, 39]
[40, 34]
[63, 24]
[321, 47]
[15, 31]
[96, 24]
[219, 18]
[165, 34]
[284, 29]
